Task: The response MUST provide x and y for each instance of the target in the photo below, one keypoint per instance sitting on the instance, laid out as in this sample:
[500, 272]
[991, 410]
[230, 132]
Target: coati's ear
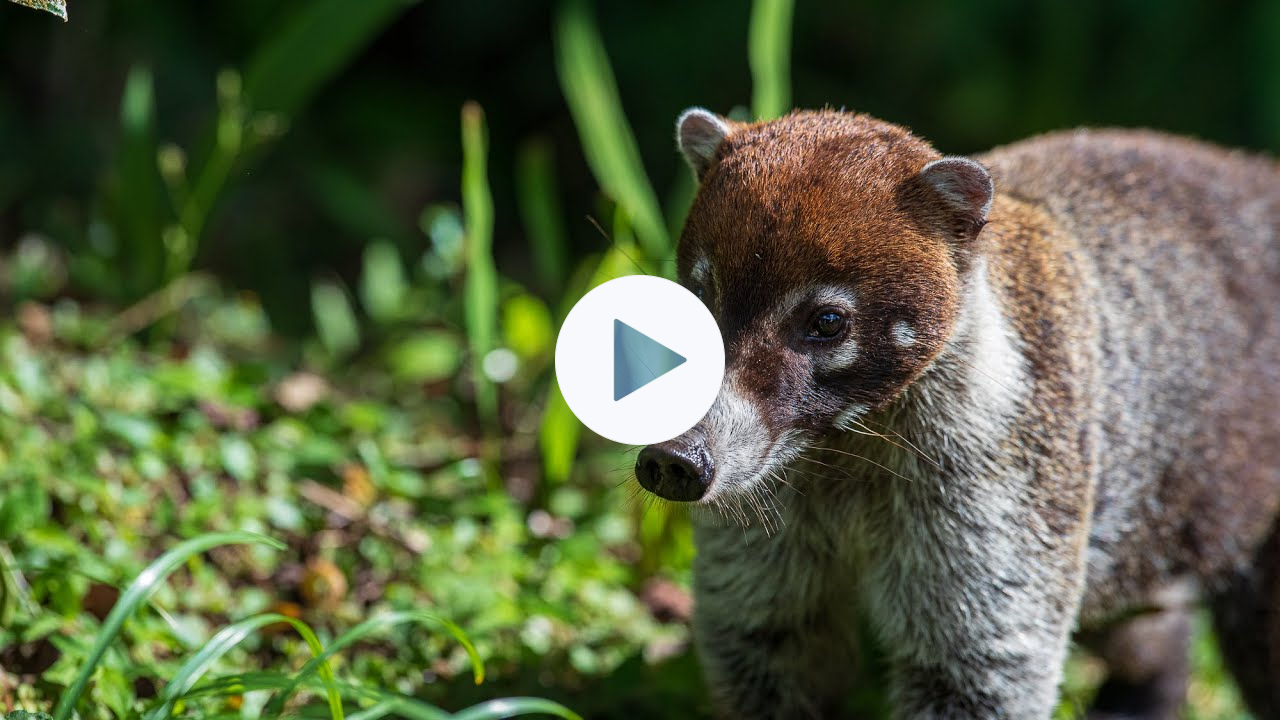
[699, 133]
[962, 190]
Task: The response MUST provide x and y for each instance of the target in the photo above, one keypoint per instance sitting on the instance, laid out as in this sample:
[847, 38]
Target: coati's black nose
[675, 470]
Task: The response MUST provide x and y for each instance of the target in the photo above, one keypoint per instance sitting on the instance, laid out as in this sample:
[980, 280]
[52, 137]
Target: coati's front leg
[771, 636]
[975, 605]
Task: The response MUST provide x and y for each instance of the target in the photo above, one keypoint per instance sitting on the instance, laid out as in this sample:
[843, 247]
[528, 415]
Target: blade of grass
[769, 53]
[481, 288]
[221, 643]
[283, 76]
[514, 707]
[133, 198]
[139, 590]
[364, 629]
[558, 437]
[610, 147]
[249, 682]
[321, 39]
[540, 208]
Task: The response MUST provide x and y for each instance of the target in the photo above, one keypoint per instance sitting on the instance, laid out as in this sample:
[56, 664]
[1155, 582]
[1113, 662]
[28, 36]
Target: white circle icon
[639, 360]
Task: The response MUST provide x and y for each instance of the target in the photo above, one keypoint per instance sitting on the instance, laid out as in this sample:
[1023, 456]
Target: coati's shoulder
[1098, 168]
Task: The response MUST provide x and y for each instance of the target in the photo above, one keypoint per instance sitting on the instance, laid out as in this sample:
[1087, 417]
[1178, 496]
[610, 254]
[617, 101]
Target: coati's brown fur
[987, 415]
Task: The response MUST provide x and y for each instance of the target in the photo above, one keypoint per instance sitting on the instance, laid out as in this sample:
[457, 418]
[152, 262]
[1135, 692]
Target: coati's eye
[701, 292]
[827, 324]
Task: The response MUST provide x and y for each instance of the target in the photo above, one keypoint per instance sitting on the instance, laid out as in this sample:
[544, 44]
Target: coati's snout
[680, 469]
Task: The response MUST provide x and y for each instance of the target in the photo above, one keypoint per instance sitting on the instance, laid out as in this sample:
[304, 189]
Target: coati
[992, 404]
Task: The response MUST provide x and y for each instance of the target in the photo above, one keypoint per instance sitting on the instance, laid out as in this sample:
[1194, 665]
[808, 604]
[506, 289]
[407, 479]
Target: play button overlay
[639, 360]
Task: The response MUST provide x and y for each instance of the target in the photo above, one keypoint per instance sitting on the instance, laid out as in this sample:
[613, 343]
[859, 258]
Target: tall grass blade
[249, 682]
[558, 437]
[515, 707]
[282, 77]
[769, 53]
[321, 39]
[363, 630]
[139, 590]
[607, 141]
[540, 209]
[226, 639]
[481, 289]
[134, 196]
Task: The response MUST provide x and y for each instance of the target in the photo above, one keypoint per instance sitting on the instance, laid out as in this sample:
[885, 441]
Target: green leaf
[769, 50]
[291, 67]
[382, 283]
[238, 457]
[589, 87]
[335, 320]
[139, 590]
[134, 198]
[480, 302]
[526, 323]
[427, 356]
[57, 7]
[540, 209]
[558, 437]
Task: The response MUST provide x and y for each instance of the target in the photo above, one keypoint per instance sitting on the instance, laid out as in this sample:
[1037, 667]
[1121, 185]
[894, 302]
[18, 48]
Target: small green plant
[186, 683]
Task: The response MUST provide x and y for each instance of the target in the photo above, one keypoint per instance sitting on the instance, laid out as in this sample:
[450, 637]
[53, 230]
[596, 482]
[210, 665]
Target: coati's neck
[965, 401]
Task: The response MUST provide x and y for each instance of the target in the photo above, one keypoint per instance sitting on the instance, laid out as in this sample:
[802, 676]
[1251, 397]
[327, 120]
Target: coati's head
[831, 249]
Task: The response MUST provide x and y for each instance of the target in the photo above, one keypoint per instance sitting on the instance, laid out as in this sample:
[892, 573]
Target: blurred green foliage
[344, 122]
[296, 269]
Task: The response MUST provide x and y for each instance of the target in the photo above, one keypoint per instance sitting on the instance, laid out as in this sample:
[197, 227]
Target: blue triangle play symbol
[638, 360]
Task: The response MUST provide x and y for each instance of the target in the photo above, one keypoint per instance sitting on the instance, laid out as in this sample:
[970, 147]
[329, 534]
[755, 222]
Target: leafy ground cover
[114, 451]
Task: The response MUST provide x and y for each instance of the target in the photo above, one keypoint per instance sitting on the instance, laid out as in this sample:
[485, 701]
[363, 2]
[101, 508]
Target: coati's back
[1180, 242]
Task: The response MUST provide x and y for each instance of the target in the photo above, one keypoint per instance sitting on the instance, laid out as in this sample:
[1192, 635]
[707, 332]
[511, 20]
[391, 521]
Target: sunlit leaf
[57, 7]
